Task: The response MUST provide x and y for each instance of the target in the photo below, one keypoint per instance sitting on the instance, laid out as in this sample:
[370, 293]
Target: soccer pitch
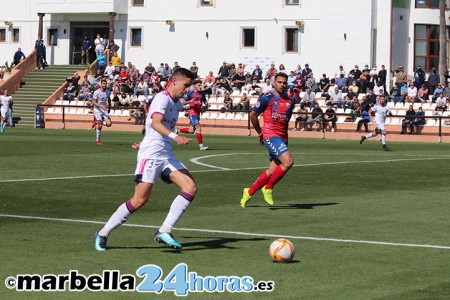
[366, 224]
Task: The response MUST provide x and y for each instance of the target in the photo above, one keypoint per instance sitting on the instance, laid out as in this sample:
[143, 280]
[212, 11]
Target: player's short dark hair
[183, 72]
[281, 75]
[196, 82]
[103, 80]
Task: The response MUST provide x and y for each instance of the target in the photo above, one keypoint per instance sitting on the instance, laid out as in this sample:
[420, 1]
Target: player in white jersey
[5, 110]
[100, 102]
[156, 159]
[381, 112]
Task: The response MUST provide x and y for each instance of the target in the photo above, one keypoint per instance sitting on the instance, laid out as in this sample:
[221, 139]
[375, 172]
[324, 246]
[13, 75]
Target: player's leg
[3, 123]
[383, 140]
[108, 122]
[277, 169]
[198, 133]
[188, 189]
[370, 135]
[191, 127]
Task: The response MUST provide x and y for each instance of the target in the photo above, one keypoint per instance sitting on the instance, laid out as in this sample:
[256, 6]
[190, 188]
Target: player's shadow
[301, 205]
[210, 243]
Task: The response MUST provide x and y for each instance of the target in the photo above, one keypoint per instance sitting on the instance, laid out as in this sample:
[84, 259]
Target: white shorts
[5, 112]
[380, 126]
[100, 114]
[149, 170]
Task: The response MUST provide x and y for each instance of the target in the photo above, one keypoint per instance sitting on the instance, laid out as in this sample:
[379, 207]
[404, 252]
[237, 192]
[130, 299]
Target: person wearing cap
[400, 76]
[340, 71]
[223, 70]
[433, 80]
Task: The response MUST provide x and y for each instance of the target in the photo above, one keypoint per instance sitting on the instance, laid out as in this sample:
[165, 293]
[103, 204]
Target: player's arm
[255, 122]
[157, 125]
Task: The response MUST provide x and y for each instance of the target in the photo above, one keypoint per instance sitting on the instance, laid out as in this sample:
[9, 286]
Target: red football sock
[184, 130]
[276, 176]
[262, 180]
[199, 138]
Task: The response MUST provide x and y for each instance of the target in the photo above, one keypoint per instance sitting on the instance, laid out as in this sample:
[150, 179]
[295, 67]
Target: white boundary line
[220, 169]
[238, 233]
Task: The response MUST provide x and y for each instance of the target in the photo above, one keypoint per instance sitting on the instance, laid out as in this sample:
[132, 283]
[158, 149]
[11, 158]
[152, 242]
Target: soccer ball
[282, 250]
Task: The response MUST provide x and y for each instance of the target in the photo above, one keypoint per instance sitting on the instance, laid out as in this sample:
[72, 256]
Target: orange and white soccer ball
[282, 250]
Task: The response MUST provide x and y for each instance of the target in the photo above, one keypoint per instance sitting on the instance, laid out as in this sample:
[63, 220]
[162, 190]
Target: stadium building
[322, 33]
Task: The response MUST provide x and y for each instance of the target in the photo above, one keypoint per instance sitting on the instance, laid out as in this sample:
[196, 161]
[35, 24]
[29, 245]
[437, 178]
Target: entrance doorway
[77, 32]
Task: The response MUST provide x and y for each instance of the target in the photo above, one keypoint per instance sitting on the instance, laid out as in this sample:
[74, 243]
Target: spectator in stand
[324, 83]
[355, 87]
[194, 69]
[266, 88]
[282, 69]
[99, 46]
[209, 80]
[167, 72]
[257, 74]
[244, 103]
[223, 71]
[298, 70]
[141, 88]
[311, 82]
[270, 74]
[408, 121]
[382, 75]
[1, 77]
[160, 71]
[447, 92]
[373, 77]
[240, 68]
[365, 120]
[419, 76]
[433, 80]
[309, 98]
[40, 53]
[441, 103]
[85, 47]
[106, 43]
[113, 47]
[340, 71]
[400, 76]
[238, 80]
[228, 102]
[422, 94]
[411, 94]
[364, 79]
[372, 98]
[377, 87]
[109, 69]
[306, 71]
[354, 74]
[101, 61]
[300, 83]
[84, 92]
[330, 117]
[116, 61]
[231, 71]
[404, 91]
[437, 91]
[301, 118]
[419, 120]
[365, 104]
[291, 80]
[18, 57]
[69, 92]
[316, 117]
[150, 68]
[381, 94]
[350, 98]
[175, 66]
[341, 82]
[336, 98]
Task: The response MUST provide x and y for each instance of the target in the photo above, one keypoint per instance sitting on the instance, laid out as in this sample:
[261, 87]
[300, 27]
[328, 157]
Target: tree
[442, 41]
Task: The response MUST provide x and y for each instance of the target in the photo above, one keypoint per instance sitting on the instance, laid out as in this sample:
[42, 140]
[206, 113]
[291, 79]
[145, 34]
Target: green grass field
[349, 209]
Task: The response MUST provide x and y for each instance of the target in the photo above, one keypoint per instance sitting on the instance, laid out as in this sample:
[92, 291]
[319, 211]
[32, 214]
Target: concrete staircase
[36, 88]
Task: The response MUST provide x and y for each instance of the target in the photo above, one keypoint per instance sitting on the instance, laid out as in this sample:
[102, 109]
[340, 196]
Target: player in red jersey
[276, 109]
[195, 100]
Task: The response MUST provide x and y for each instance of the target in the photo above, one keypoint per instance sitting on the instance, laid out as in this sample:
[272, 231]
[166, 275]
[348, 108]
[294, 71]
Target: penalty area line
[265, 235]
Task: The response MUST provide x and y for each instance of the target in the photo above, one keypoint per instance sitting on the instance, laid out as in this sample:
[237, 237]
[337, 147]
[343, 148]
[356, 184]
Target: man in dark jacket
[40, 53]
[408, 120]
[433, 81]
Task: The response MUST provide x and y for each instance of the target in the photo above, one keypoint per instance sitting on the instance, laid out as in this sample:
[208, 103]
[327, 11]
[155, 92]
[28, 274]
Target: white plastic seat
[125, 113]
[321, 102]
[205, 115]
[430, 122]
[229, 116]
[58, 110]
[65, 102]
[390, 104]
[433, 106]
[221, 116]
[50, 110]
[58, 102]
[213, 115]
[79, 111]
[417, 105]
[399, 105]
[318, 95]
[253, 101]
[341, 120]
[401, 112]
[395, 121]
[426, 106]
